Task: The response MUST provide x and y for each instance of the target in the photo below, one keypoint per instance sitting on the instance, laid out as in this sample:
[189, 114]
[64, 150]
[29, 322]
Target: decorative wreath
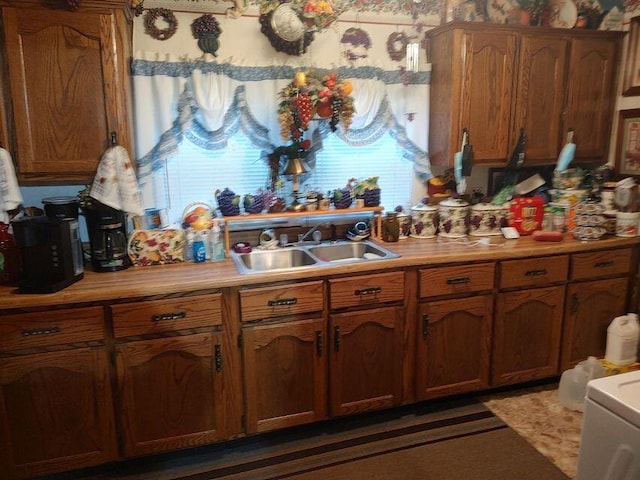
[397, 46]
[152, 16]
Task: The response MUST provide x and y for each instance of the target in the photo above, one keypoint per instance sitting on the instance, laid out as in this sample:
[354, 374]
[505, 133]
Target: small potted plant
[368, 190]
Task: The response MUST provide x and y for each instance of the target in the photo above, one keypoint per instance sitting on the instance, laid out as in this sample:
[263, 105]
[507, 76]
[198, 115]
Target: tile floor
[536, 414]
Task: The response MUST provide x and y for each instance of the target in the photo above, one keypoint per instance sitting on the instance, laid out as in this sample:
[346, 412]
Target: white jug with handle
[622, 340]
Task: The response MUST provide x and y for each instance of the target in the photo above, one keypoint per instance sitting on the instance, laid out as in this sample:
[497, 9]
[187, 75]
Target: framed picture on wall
[628, 142]
[631, 79]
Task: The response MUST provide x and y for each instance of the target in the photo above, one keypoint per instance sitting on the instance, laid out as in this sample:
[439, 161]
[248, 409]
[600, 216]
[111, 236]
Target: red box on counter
[526, 214]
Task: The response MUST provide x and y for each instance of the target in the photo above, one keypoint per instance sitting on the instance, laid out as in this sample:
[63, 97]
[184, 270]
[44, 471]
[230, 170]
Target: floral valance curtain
[208, 102]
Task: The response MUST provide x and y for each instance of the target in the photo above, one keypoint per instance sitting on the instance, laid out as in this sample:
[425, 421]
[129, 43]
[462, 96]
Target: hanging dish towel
[10, 195]
[115, 183]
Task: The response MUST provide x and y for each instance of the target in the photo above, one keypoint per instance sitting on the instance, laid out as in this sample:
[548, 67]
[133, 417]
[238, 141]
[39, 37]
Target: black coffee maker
[107, 236]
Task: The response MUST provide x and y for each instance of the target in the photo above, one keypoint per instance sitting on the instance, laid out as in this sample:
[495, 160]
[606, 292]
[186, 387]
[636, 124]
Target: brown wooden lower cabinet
[285, 374]
[454, 346]
[171, 393]
[526, 335]
[366, 360]
[590, 308]
[56, 412]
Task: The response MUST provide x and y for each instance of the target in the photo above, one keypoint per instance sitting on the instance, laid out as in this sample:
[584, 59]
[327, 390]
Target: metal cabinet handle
[605, 264]
[575, 303]
[336, 338]
[367, 291]
[282, 302]
[40, 331]
[425, 326]
[456, 281]
[534, 273]
[218, 358]
[158, 317]
[319, 343]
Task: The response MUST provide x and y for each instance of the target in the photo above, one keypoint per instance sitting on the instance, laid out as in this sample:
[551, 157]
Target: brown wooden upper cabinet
[496, 80]
[68, 85]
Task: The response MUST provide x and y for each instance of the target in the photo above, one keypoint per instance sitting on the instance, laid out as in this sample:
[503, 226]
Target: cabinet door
[68, 90]
[454, 346]
[285, 374]
[366, 360]
[55, 411]
[591, 306]
[171, 392]
[591, 94]
[486, 93]
[527, 329]
[540, 96]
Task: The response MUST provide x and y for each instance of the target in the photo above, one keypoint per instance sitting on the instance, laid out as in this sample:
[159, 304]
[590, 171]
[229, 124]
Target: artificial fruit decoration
[228, 202]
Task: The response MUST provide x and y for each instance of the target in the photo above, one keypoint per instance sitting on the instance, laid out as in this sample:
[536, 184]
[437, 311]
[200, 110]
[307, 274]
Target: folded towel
[115, 183]
[10, 195]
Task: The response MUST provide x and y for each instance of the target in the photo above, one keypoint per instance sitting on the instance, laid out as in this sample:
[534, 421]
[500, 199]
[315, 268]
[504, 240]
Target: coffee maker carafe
[107, 236]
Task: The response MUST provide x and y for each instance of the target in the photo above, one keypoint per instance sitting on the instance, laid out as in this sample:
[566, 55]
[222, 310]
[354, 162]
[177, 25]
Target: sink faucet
[317, 235]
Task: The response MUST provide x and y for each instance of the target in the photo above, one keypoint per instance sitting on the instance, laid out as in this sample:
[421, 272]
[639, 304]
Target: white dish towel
[10, 195]
[115, 183]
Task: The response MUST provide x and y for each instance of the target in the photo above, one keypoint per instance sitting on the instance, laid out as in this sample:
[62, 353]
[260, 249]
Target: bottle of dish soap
[216, 246]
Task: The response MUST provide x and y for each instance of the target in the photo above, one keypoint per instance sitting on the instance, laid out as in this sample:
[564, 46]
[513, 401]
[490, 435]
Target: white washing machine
[610, 441]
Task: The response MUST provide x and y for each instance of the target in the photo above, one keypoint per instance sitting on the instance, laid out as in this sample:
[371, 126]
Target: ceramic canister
[487, 219]
[404, 219]
[424, 221]
[627, 224]
[453, 216]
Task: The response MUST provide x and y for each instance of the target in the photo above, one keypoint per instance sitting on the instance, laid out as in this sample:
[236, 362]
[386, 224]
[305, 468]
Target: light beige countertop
[187, 277]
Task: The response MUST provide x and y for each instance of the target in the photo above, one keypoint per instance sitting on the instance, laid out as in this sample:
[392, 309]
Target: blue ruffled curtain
[208, 102]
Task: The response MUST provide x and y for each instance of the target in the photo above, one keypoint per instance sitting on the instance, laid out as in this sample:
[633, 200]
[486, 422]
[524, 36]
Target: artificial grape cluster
[304, 108]
[228, 202]
[336, 107]
[285, 118]
[205, 25]
[347, 113]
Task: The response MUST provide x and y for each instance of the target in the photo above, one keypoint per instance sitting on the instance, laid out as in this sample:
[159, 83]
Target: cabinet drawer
[57, 327]
[367, 290]
[259, 303]
[533, 271]
[598, 264]
[457, 279]
[156, 316]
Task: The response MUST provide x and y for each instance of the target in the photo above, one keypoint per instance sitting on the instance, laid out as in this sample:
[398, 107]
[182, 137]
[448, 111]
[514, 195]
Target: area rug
[447, 440]
[537, 415]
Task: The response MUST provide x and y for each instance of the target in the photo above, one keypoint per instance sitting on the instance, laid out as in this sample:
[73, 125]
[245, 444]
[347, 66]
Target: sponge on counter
[547, 236]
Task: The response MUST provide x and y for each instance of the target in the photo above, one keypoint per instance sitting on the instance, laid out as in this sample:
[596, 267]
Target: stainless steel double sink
[315, 255]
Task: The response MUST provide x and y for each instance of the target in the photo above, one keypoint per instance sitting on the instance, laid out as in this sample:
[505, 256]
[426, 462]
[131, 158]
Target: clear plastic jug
[573, 383]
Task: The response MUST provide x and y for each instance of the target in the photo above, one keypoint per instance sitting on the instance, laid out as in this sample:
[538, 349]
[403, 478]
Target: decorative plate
[286, 23]
[562, 13]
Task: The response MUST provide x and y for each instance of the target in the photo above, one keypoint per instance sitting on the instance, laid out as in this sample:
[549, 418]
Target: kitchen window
[194, 174]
